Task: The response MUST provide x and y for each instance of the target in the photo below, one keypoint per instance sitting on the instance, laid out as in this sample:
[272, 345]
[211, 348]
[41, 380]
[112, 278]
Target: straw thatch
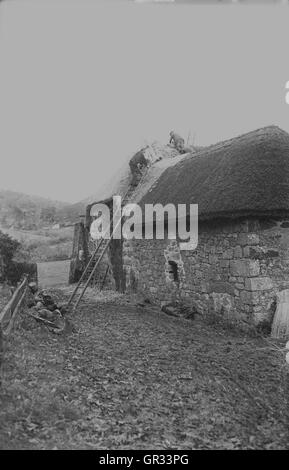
[159, 156]
[247, 175]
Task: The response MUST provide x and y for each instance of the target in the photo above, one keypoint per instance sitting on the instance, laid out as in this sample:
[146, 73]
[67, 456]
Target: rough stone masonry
[236, 270]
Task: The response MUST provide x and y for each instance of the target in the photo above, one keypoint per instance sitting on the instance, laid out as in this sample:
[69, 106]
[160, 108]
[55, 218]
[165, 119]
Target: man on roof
[137, 163]
[177, 141]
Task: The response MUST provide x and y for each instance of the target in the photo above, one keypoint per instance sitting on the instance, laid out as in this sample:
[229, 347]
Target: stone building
[242, 259]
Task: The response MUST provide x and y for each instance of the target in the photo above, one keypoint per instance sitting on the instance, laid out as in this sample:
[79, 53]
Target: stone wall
[236, 270]
[77, 262]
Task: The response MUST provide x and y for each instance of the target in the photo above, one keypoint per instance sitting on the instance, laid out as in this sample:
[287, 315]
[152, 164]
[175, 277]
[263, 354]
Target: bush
[8, 247]
[16, 271]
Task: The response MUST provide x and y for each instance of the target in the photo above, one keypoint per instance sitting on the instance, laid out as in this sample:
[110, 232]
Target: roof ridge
[238, 138]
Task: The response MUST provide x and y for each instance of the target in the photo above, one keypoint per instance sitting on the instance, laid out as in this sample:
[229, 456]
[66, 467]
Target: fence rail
[11, 309]
[8, 315]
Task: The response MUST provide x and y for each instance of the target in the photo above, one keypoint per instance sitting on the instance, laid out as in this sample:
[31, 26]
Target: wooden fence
[9, 314]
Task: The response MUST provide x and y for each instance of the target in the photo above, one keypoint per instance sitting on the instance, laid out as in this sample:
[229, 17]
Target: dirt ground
[131, 377]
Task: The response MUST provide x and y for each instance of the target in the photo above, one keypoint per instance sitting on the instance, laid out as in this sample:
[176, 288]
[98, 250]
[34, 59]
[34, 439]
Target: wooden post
[87, 221]
[78, 244]
[104, 278]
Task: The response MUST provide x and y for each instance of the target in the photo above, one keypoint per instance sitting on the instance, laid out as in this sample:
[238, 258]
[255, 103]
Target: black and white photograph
[144, 228]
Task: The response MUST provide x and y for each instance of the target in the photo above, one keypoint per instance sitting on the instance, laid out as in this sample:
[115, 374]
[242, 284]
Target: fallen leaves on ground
[130, 377]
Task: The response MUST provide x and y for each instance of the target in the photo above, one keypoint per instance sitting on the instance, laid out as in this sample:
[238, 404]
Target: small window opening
[173, 270]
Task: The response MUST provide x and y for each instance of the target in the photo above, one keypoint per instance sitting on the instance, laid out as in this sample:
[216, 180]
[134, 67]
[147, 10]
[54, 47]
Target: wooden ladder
[97, 255]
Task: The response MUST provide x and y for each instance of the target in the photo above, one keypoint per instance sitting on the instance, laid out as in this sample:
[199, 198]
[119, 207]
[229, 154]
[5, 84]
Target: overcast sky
[84, 84]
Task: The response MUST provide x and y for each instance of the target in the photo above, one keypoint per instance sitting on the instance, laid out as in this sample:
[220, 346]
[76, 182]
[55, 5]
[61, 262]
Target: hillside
[23, 211]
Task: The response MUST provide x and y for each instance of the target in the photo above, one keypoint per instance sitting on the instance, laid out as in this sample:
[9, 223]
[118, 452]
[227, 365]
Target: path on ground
[131, 377]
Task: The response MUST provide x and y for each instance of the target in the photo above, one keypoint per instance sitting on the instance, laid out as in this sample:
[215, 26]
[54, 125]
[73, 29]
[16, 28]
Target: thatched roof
[247, 175]
[121, 180]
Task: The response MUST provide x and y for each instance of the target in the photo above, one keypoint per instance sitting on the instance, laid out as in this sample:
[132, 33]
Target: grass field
[43, 244]
[53, 273]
